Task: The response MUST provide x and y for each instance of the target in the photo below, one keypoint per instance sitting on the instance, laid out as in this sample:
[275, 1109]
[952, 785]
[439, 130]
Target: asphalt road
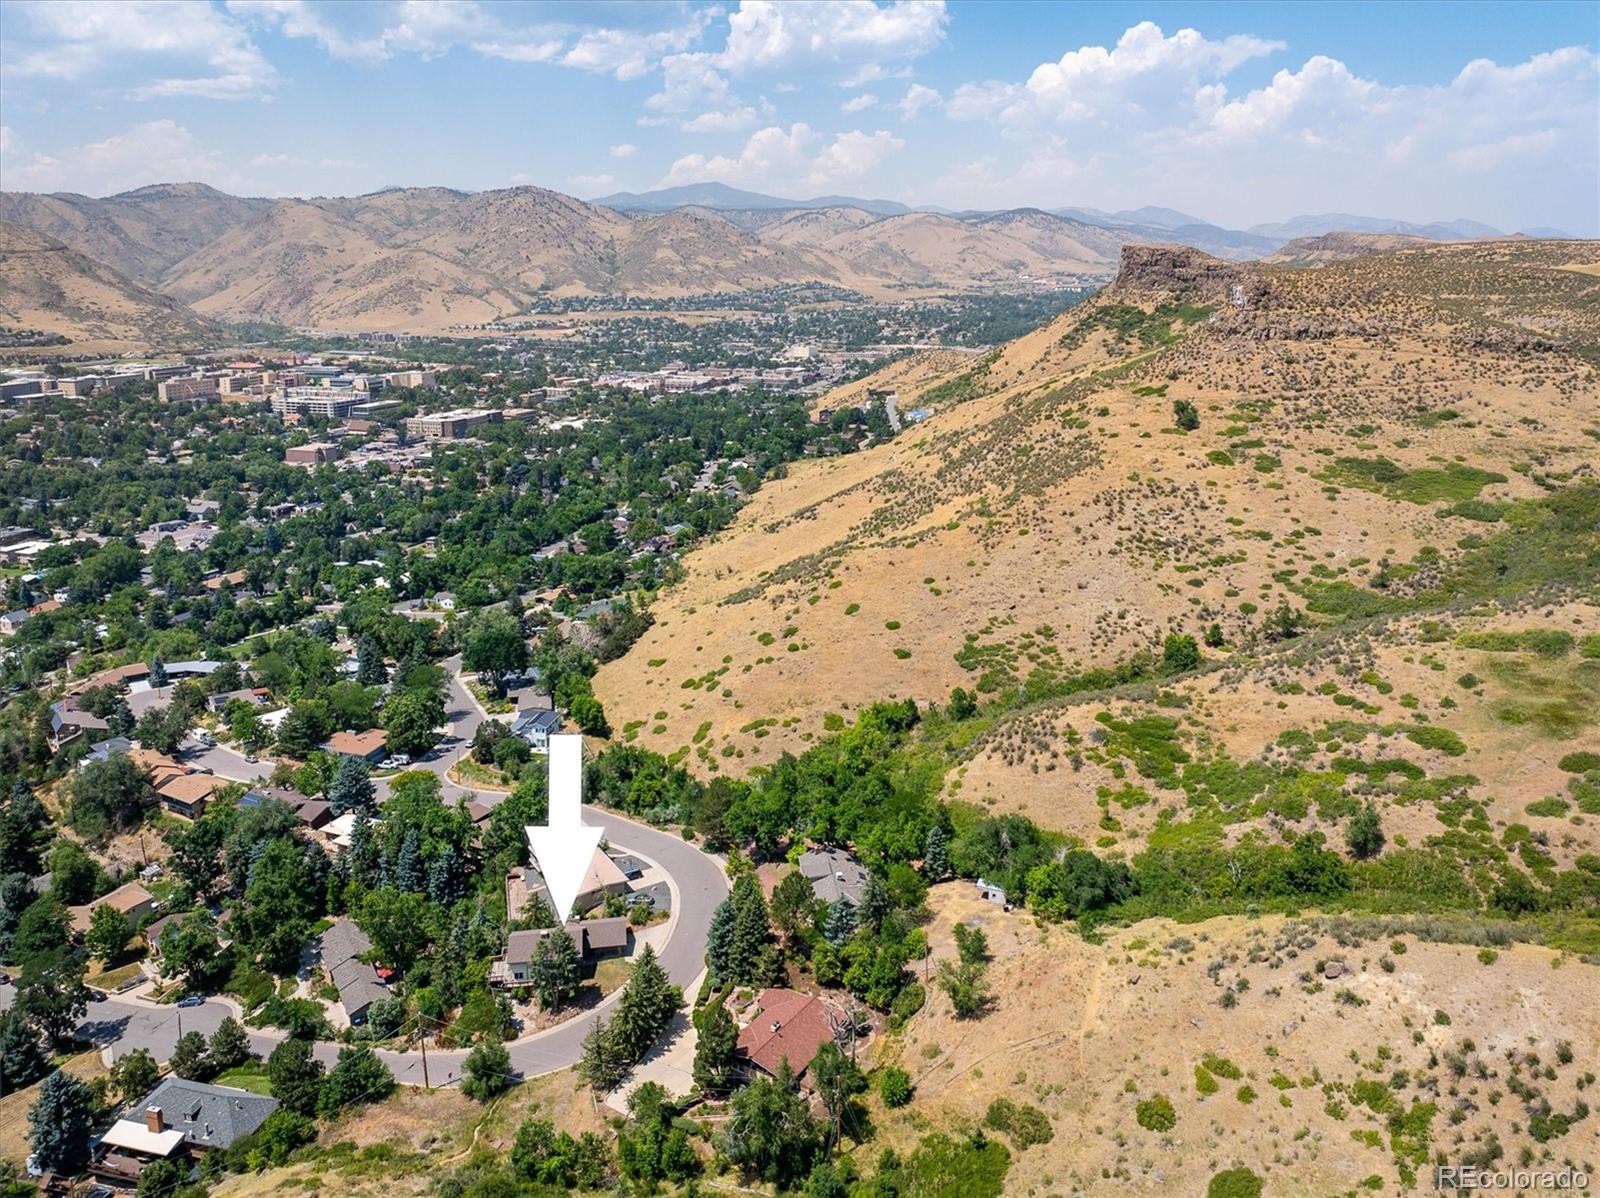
[698, 880]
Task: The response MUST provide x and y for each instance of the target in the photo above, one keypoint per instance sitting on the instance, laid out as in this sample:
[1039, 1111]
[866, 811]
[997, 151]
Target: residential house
[602, 878]
[12, 621]
[787, 1026]
[68, 722]
[256, 696]
[592, 938]
[132, 899]
[104, 750]
[834, 874]
[371, 747]
[535, 726]
[178, 1120]
[340, 952]
[188, 794]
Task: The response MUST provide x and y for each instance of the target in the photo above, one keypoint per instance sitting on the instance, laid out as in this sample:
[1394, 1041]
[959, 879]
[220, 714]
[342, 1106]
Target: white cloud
[783, 159]
[917, 98]
[853, 155]
[624, 150]
[180, 49]
[1152, 120]
[1137, 83]
[630, 54]
[151, 152]
[768, 35]
[730, 121]
[594, 182]
[859, 103]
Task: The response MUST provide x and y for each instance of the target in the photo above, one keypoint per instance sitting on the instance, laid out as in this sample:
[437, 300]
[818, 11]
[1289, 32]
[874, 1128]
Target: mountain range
[427, 258]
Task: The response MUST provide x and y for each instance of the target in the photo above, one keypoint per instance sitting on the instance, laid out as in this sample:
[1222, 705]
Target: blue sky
[1238, 113]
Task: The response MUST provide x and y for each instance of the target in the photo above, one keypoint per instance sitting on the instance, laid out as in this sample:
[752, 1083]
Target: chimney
[152, 1119]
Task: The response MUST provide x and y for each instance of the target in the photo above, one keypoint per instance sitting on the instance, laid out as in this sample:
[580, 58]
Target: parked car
[192, 1000]
[398, 761]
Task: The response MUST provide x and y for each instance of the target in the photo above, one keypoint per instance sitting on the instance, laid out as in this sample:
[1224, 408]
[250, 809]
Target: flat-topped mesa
[1175, 268]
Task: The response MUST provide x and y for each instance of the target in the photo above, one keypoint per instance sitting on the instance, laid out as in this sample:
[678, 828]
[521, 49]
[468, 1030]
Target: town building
[189, 387]
[313, 453]
[322, 403]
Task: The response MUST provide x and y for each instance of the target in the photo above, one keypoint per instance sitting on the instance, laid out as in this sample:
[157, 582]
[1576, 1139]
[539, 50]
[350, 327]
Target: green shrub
[1156, 1114]
[894, 1085]
[1234, 1183]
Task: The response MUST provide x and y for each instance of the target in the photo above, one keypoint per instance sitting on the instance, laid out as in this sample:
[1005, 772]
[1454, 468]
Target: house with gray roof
[357, 982]
[178, 1120]
[834, 874]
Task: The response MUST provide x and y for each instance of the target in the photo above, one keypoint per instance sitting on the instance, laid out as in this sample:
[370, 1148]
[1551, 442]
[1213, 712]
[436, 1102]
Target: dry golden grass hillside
[1366, 430]
[1341, 1038]
[46, 287]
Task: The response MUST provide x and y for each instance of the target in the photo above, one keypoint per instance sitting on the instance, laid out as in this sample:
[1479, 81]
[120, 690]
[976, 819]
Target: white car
[396, 762]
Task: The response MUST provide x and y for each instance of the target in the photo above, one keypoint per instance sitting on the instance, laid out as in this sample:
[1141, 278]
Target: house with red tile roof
[788, 1026]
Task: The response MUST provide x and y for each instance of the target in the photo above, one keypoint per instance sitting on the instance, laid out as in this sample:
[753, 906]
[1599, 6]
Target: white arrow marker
[564, 849]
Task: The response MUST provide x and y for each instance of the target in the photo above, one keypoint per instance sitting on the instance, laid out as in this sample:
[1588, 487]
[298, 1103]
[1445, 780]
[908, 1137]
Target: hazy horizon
[1238, 114]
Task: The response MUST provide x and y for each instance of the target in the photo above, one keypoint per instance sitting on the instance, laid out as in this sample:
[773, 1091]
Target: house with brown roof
[787, 1026]
[188, 794]
[132, 899]
[371, 747]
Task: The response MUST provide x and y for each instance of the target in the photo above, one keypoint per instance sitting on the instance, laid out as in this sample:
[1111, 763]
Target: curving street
[697, 880]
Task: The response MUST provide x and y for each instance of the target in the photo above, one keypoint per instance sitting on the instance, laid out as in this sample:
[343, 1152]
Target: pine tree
[351, 788]
[555, 970]
[370, 667]
[715, 1045]
[158, 672]
[750, 929]
[601, 1064]
[445, 876]
[408, 863]
[647, 1003]
[936, 854]
[840, 922]
[719, 941]
[191, 1058]
[22, 1058]
[59, 1124]
[794, 905]
[877, 904]
[1365, 833]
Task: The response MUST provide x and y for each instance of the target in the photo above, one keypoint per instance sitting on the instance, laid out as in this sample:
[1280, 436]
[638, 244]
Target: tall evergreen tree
[719, 941]
[714, 1050]
[794, 906]
[158, 671]
[750, 930]
[647, 1003]
[351, 788]
[22, 1059]
[59, 1124]
[370, 667]
[877, 904]
[936, 854]
[601, 1064]
[556, 969]
[840, 922]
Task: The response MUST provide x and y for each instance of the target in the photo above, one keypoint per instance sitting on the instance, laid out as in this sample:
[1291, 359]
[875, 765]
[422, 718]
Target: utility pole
[424, 1032]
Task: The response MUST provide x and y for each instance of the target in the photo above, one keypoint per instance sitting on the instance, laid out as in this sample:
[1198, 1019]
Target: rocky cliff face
[1176, 268]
